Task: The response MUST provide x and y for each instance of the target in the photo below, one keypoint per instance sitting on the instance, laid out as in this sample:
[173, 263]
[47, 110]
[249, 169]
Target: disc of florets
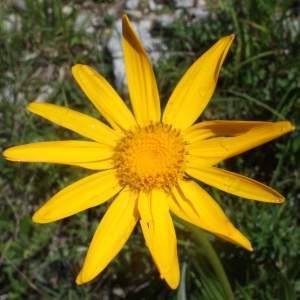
[150, 157]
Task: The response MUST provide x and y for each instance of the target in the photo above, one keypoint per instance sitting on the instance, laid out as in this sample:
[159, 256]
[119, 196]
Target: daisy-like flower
[144, 159]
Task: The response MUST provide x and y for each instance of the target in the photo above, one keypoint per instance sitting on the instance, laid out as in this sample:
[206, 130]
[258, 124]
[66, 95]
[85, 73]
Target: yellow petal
[110, 236]
[236, 184]
[205, 130]
[225, 147]
[85, 193]
[104, 97]
[146, 221]
[95, 165]
[60, 152]
[199, 162]
[160, 236]
[141, 81]
[144, 207]
[194, 205]
[77, 122]
[195, 89]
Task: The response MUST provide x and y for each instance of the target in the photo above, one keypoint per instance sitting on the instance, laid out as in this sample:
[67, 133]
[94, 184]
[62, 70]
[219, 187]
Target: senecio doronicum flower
[145, 159]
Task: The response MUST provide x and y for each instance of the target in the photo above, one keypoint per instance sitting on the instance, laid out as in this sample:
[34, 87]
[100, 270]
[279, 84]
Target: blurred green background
[260, 80]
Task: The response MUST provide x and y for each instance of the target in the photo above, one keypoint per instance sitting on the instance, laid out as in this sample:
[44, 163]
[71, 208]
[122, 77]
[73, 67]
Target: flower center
[150, 157]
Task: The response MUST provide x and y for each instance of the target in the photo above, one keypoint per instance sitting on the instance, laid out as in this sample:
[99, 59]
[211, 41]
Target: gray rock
[146, 24]
[120, 74]
[20, 4]
[136, 14]
[114, 44]
[96, 20]
[12, 22]
[198, 12]
[67, 10]
[165, 19]
[29, 56]
[119, 292]
[45, 92]
[153, 5]
[83, 20]
[184, 3]
[132, 4]
[61, 74]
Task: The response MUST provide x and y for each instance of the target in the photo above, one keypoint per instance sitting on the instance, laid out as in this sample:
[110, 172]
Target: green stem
[211, 255]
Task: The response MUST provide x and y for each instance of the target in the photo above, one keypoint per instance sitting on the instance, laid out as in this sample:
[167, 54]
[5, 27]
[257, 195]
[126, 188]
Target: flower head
[144, 159]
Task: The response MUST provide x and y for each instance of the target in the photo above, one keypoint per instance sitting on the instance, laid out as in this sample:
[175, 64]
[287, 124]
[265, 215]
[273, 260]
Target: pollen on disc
[150, 157]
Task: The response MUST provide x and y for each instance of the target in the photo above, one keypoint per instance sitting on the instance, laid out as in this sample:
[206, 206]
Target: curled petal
[111, 235]
[77, 122]
[160, 235]
[141, 81]
[104, 97]
[205, 130]
[191, 203]
[195, 89]
[236, 184]
[83, 194]
[220, 148]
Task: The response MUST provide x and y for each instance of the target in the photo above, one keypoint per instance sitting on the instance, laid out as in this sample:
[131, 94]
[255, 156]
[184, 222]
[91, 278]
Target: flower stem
[211, 255]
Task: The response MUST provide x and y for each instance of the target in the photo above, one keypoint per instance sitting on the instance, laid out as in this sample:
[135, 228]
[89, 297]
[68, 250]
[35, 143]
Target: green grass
[258, 81]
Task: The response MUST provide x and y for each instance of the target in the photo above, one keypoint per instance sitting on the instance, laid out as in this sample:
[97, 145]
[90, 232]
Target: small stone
[117, 291]
[45, 92]
[184, 3]
[146, 24]
[7, 95]
[114, 44]
[132, 4]
[61, 74]
[178, 12]
[165, 19]
[12, 22]
[67, 10]
[112, 11]
[96, 20]
[48, 73]
[155, 6]
[198, 13]
[29, 56]
[136, 14]
[99, 47]
[120, 74]
[20, 4]
[83, 19]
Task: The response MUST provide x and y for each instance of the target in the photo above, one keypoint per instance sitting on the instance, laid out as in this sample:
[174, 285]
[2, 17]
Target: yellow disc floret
[150, 157]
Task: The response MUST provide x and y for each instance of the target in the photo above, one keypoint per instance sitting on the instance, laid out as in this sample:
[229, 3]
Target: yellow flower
[147, 161]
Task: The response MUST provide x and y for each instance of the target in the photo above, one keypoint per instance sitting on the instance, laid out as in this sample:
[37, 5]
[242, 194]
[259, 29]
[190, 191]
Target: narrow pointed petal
[141, 81]
[60, 152]
[111, 235]
[236, 184]
[199, 162]
[83, 194]
[226, 147]
[205, 130]
[77, 122]
[104, 97]
[195, 89]
[160, 236]
[94, 165]
[191, 203]
[144, 207]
